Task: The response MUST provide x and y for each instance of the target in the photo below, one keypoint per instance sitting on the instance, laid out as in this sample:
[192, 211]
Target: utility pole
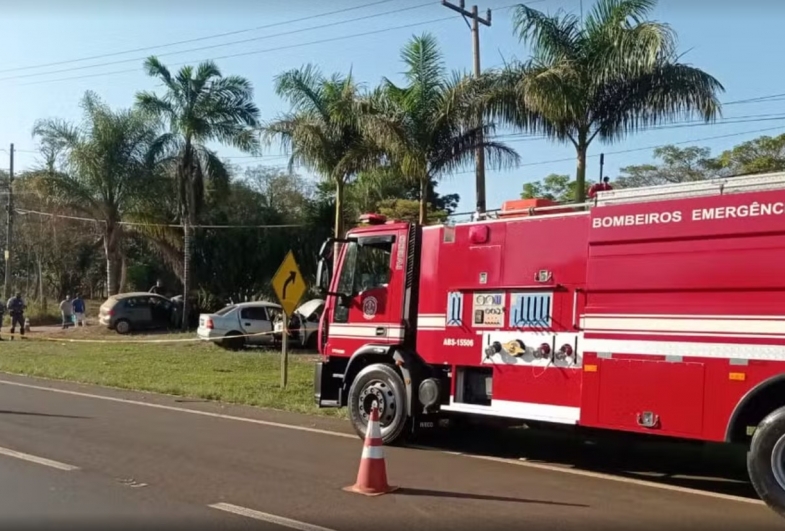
[8, 227]
[475, 27]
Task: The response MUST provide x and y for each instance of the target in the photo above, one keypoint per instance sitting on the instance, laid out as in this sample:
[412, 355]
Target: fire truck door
[371, 312]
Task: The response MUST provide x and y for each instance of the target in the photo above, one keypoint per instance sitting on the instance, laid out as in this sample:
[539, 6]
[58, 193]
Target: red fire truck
[657, 310]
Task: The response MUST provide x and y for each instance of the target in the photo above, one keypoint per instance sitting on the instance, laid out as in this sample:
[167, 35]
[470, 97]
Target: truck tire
[380, 383]
[766, 461]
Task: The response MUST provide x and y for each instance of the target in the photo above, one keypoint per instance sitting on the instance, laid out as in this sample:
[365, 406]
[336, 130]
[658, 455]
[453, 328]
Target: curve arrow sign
[289, 280]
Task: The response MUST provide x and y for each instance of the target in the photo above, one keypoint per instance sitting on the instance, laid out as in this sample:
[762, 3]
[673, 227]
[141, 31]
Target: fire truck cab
[657, 310]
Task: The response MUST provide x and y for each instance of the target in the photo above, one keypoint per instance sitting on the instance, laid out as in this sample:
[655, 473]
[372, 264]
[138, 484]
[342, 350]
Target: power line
[212, 46]
[243, 54]
[255, 52]
[166, 225]
[197, 39]
[570, 159]
[524, 137]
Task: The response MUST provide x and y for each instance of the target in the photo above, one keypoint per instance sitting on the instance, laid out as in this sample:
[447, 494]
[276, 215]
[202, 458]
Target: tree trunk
[424, 200]
[339, 228]
[188, 219]
[580, 176]
[110, 249]
[123, 273]
[339, 189]
[186, 272]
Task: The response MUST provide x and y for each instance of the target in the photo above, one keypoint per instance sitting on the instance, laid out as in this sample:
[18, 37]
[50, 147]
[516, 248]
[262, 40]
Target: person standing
[79, 310]
[67, 310]
[16, 310]
[2, 316]
[158, 289]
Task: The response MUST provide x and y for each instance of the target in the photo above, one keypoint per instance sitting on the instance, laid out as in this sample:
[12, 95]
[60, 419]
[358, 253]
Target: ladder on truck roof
[715, 186]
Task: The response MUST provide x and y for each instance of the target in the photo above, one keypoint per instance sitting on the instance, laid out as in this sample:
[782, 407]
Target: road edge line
[180, 409]
[266, 517]
[600, 475]
[38, 460]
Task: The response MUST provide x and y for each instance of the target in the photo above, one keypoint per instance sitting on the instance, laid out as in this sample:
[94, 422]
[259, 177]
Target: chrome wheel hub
[381, 393]
[778, 462]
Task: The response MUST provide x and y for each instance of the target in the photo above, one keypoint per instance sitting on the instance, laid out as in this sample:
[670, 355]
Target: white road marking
[180, 409]
[600, 475]
[38, 460]
[552, 468]
[266, 517]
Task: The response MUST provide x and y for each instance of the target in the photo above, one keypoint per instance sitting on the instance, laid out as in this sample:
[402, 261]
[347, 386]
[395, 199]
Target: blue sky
[738, 42]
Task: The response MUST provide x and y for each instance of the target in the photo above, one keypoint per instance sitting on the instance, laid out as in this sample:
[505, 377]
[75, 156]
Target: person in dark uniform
[16, 309]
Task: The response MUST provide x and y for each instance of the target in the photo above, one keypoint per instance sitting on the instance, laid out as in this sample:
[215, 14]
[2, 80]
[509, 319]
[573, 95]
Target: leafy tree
[612, 75]
[199, 105]
[105, 169]
[279, 190]
[428, 128]
[678, 165]
[555, 187]
[322, 130]
[761, 155]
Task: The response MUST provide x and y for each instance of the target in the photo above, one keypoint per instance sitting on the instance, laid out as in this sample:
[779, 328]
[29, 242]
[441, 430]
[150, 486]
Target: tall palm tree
[199, 105]
[322, 129]
[106, 168]
[605, 77]
[428, 127]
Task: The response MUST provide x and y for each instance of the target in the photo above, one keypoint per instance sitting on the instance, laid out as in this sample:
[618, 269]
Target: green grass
[190, 369]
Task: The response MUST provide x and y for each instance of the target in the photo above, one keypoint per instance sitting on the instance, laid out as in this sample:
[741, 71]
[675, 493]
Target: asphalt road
[149, 459]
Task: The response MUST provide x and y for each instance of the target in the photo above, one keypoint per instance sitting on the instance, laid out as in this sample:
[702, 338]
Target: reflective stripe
[373, 452]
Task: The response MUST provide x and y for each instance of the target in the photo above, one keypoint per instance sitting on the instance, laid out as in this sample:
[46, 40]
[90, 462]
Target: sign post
[289, 287]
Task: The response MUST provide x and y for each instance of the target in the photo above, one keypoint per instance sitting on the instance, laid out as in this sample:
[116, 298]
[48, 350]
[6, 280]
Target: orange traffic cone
[372, 476]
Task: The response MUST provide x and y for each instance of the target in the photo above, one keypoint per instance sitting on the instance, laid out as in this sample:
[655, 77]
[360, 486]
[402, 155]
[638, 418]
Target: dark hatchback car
[127, 312]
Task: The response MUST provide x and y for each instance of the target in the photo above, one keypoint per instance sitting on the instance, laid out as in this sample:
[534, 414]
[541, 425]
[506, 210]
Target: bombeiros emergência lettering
[751, 210]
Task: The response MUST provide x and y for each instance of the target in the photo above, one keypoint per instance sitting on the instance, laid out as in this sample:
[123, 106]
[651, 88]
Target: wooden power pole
[9, 227]
[475, 27]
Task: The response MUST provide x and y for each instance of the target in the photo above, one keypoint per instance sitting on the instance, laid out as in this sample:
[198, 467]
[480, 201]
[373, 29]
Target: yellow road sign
[288, 284]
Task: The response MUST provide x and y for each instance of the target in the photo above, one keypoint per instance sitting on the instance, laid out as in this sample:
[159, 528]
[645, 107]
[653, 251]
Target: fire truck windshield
[365, 266]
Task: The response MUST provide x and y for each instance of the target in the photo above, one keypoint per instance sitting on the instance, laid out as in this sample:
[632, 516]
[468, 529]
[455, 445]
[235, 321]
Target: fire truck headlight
[493, 348]
[564, 352]
[543, 351]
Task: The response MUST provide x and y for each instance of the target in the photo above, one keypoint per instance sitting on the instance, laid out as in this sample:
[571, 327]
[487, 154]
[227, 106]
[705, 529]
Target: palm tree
[199, 105]
[428, 127]
[610, 75]
[106, 169]
[322, 130]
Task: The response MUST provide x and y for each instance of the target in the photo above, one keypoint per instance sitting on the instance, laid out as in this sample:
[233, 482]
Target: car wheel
[122, 327]
[233, 341]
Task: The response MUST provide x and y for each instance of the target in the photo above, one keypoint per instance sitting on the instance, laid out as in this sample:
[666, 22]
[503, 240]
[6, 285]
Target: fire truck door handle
[381, 331]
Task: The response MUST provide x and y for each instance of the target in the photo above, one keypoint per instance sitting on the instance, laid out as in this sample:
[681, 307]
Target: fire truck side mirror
[323, 275]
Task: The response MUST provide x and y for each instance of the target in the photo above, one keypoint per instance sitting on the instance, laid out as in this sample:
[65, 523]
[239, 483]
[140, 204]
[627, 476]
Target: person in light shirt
[67, 311]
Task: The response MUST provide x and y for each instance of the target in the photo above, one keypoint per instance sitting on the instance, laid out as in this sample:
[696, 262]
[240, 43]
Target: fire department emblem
[370, 306]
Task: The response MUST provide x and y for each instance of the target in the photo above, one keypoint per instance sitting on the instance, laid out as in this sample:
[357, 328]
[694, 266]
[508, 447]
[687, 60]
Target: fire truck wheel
[766, 461]
[381, 384]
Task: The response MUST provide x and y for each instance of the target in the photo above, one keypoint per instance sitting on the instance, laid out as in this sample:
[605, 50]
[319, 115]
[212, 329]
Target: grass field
[189, 369]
